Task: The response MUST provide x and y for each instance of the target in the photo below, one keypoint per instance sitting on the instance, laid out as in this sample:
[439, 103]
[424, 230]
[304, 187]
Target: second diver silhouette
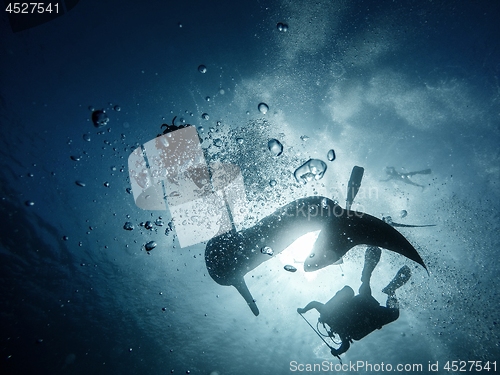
[405, 177]
[353, 317]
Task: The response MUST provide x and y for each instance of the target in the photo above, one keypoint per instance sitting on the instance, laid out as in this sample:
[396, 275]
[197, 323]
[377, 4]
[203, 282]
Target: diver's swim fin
[354, 185]
[425, 171]
[51, 10]
[242, 287]
[398, 281]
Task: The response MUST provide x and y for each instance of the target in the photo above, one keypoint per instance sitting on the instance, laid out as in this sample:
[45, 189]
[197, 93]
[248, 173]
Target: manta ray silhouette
[230, 256]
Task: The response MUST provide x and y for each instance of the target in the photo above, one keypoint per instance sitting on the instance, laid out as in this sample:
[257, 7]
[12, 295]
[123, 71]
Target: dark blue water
[413, 85]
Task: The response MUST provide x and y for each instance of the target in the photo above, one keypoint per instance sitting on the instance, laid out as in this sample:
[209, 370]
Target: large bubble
[313, 169]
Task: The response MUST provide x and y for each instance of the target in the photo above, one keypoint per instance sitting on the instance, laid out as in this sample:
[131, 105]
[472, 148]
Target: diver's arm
[342, 349]
[311, 305]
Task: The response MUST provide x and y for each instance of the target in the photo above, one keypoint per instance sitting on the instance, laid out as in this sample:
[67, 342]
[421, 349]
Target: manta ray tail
[411, 226]
[242, 287]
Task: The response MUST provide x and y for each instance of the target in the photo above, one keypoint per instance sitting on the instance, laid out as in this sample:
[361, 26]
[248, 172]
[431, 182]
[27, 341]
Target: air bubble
[205, 116]
[387, 219]
[150, 245]
[331, 155]
[324, 203]
[128, 226]
[282, 27]
[263, 108]
[290, 268]
[267, 250]
[202, 69]
[275, 147]
[313, 169]
[100, 118]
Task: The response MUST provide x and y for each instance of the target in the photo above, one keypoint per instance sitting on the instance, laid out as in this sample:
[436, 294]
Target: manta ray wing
[230, 256]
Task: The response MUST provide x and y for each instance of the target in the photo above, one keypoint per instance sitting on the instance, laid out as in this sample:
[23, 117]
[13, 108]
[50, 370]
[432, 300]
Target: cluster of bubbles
[128, 226]
[100, 118]
[282, 27]
[149, 225]
[244, 147]
[387, 219]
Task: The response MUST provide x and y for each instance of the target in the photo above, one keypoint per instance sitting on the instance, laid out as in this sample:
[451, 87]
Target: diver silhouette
[353, 317]
[405, 177]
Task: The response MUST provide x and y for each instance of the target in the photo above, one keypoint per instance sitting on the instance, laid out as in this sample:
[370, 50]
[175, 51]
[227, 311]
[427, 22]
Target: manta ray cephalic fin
[241, 286]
